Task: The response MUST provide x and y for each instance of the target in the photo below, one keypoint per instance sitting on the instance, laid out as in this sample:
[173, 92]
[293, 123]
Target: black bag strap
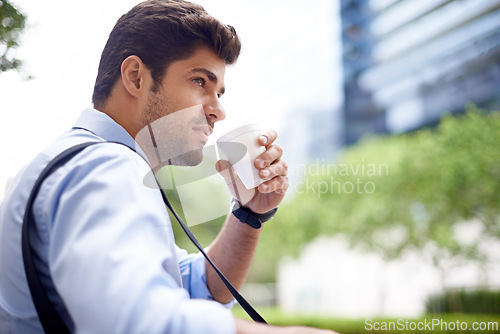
[49, 317]
[242, 301]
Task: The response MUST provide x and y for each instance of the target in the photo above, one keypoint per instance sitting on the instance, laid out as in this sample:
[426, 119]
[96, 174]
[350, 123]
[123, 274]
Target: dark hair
[160, 32]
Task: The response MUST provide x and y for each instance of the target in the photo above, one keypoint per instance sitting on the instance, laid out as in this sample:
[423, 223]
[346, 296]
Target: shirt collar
[105, 127]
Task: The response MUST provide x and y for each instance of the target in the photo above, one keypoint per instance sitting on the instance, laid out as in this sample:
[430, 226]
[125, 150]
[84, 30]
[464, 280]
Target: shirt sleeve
[112, 256]
[194, 276]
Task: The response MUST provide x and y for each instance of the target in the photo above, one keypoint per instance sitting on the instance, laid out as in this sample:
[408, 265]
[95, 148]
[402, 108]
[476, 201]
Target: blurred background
[388, 114]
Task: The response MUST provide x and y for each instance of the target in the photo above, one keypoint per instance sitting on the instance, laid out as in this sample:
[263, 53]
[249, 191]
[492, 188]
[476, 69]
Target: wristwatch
[247, 216]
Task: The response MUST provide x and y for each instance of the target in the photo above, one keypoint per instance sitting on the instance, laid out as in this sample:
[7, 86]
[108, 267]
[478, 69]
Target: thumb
[233, 182]
[226, 171]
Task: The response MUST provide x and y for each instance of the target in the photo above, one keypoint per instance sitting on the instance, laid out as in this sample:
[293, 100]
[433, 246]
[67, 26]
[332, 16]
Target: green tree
[393, 194]
[12, 22]
[389, 195]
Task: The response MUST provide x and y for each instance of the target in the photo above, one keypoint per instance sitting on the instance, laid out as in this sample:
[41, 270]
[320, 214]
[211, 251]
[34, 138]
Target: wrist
[249, 217]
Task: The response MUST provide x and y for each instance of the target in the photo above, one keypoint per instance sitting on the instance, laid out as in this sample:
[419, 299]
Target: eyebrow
[210, 75]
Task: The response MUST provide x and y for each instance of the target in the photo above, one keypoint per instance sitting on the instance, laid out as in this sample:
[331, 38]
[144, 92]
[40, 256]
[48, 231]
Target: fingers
[278, 168]
[272, 168]
[276, 176]
[272, 154]
[278, 184]
[268, 137]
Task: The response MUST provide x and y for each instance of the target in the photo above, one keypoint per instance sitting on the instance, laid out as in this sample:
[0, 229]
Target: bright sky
[289, 60]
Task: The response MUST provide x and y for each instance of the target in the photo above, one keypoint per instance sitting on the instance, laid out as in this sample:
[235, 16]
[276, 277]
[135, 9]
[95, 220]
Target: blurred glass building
[406, 62]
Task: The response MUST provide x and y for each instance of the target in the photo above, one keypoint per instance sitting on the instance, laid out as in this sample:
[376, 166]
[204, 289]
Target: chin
[192, 158]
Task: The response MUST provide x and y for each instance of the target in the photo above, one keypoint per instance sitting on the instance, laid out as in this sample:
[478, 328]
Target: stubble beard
[172, 145]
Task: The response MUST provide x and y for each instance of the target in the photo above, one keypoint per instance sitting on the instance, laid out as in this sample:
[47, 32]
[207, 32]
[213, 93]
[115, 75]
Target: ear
[134, 75]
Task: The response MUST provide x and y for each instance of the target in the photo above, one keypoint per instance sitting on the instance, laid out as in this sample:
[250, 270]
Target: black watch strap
[247, 216]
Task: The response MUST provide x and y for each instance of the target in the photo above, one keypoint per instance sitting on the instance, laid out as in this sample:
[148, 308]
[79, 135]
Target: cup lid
[239, 131]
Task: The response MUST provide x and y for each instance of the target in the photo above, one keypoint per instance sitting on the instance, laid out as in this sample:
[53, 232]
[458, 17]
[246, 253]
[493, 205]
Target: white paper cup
[240, 147]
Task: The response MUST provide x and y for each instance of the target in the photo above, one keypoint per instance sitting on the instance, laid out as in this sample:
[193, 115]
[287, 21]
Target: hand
[270, 193]
[247, 327]
[306, 330]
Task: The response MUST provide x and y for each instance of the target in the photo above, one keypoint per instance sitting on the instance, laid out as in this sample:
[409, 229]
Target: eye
[199, 81]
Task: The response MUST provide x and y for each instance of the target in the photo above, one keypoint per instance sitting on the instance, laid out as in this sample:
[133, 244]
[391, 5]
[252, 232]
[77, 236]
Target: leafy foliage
[12, 22]
[395, 193]
[390, 194]
[464, 301]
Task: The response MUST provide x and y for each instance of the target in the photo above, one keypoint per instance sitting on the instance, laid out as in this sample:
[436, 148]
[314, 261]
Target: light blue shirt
[107, 242]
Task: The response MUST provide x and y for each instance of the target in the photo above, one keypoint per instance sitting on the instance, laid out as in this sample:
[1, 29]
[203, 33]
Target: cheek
[154, 108]
[186, 96]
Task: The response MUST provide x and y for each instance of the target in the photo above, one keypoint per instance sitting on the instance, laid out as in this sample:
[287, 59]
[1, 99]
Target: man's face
[180, 115]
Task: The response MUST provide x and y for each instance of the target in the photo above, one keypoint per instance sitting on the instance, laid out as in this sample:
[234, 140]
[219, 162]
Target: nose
[214, 110]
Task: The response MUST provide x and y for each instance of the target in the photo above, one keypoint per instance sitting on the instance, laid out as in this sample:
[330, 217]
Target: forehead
[202, 58]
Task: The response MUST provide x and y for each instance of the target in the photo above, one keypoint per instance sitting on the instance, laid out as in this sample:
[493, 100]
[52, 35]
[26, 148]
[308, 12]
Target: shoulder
[93, 180]
[108, 158]
[102, 168]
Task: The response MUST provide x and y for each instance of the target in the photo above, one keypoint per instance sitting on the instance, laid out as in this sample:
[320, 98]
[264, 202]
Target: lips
[204, 130]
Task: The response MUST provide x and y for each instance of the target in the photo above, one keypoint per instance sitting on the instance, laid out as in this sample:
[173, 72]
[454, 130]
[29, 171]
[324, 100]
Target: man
[103, 240]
